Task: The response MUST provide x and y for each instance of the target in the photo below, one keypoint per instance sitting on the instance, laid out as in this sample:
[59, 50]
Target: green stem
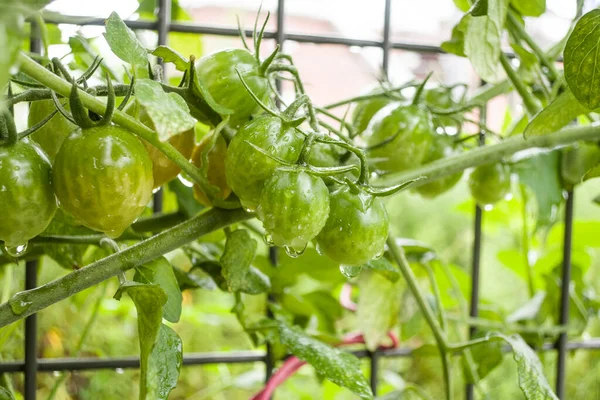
[516, 328]
[382, 93]
[492, 154]
[436, 294]
[520, 32]
[31, 301]
[459, 347]
[399, 256]
[488, 92]
[346, 125]
[530, 102]
[46, 94]
[62, 87]
[525, 242]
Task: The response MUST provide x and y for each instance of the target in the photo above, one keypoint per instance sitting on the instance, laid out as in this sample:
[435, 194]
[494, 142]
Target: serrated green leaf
[563, 110]
[378, 307]
[582, 69]
[532, 380]
[168, 111]
[237, 258]
[164, 364]
[159, 272]
[126, 46]
[541, 174]
[170, 55]
[456, 44]
[529, 8]
[148, 300]
[338, 366]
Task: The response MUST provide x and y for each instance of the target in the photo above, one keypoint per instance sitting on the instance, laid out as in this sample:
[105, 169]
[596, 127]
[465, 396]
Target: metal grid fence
[31, 365]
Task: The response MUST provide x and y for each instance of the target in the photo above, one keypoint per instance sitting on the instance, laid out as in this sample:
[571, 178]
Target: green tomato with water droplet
[489, 183]
[26, 193]
[443, 146]
[293, 208]
[103, 178]
[247, 168]
[356, 229]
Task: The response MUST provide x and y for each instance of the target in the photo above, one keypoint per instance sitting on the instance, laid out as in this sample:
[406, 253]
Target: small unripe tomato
[26, 193]
[489, 183]
[163, 169]
[399, 137]
[443, 146]
[366, 109]
[247, 168]
[293, 208]
[356, 229]
[217, 72]
[103, 178]
[215, 172]
[52, 134]
[577, 162]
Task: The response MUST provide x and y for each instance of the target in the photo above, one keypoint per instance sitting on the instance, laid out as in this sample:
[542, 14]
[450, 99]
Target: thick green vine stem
[7, 125]
[491, 154]
[29, 302]
[62, 87]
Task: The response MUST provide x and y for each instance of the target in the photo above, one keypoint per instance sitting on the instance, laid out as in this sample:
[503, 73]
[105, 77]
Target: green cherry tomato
[217, 71]
[356, 229]
[246, 168]
[103, 178]
[26, 193]
[489, 183]
[324, 155]
[54, 132]
[293, 208]
[443, 146]
[578, 162]
[441, 98]
[399, 137]
[163, 169]
[366, 109]
[215, 170]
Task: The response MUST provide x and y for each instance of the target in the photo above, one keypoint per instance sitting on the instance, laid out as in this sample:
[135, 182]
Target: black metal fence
[31, 365]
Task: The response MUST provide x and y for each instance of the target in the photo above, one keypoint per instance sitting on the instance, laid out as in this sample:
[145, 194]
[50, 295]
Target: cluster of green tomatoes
[305, 184]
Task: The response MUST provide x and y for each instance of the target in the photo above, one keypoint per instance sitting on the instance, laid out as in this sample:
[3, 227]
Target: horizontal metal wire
[238, 357]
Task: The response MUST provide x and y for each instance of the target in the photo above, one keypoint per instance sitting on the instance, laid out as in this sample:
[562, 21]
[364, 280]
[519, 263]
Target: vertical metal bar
[31, 269]
[385, 65]
[476, 260]
[164, 24]
[274, 251]
[561, 344]
[374, 363]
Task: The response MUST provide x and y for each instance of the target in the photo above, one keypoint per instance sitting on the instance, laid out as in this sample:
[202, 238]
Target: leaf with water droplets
[164, 364]
[168, 111]
[340, 367]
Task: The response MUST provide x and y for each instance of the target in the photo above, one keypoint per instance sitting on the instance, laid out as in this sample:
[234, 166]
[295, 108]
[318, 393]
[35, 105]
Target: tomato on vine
[215, 169]
[103, 178]
[247, 168]
[26, 194]
[51, 135]
[366, 109]
[293, 208]
[356, 229]
[398, 137]
[443, 146]
[490, 183]
[218, 73]
[163, 169]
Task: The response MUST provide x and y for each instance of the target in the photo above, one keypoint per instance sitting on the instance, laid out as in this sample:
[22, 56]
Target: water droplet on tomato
[268, 239]
[319, 249]
[378, 255]
[293, 252]
[488, 207]
[16, 251]
[350, 271]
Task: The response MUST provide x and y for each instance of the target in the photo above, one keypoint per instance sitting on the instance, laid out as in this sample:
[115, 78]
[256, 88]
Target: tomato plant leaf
[541, 174]
[462, 5]
[532, 381]
[487, 356]
[6, 394]
[529, 310]
[126, 46]
[237, 258]
[378, 307]
[189, 280]
[529, 8]
[385, 268]
[164, 364]
[148, 300]
[582, 68]
[563, 109]
[456, 44]
[336, 365]
[159, 272]
[168, 111]
[170, 55]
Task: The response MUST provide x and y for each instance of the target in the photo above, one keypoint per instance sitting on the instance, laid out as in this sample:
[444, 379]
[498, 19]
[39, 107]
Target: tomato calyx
[8, 130]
